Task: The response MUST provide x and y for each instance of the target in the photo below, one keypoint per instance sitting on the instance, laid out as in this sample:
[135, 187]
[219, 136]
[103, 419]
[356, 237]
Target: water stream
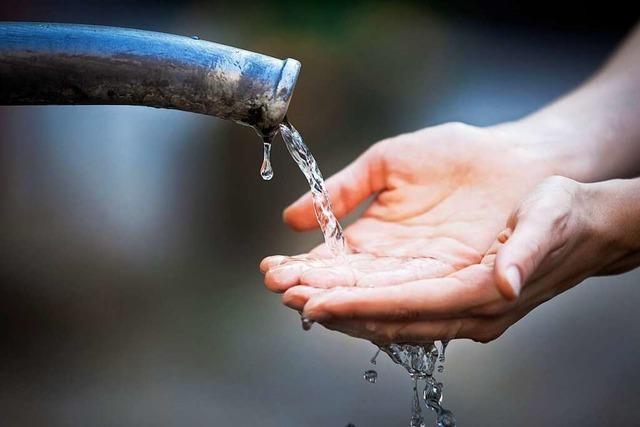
[329, 225]
[420, 361]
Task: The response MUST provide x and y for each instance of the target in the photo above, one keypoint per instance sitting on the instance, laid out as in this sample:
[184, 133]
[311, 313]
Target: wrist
[614, 220]
[556, 143]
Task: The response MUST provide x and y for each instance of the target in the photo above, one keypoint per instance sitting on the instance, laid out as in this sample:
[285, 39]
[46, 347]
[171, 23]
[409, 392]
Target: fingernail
[514, 279]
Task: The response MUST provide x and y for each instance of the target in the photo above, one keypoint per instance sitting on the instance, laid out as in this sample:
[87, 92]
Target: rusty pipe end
[61, 64]
[275, 109]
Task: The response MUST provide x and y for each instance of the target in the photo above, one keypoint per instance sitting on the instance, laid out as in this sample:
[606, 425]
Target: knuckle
[382, 147]
[455, 129]
[456, 126]
[555, 181]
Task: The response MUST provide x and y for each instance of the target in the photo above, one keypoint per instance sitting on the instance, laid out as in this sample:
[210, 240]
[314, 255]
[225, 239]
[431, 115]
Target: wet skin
[423, 251]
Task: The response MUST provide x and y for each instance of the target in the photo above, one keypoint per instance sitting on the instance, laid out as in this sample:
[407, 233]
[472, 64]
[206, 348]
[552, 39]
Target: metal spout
[85, 64]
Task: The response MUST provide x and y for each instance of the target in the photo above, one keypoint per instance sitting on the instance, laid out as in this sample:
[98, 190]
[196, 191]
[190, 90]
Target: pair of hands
[468, 231]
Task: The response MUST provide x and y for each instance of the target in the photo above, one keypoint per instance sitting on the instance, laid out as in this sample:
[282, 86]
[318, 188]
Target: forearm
[593, 133]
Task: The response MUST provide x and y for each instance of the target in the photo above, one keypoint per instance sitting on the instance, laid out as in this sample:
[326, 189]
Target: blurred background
[130, 237]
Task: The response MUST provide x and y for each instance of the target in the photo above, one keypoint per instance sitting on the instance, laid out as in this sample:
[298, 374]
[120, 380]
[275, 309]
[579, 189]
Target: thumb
[517, 260]
[347, 189]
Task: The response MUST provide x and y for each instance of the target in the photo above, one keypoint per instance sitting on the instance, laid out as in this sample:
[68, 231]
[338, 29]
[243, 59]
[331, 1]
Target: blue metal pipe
[42, 63]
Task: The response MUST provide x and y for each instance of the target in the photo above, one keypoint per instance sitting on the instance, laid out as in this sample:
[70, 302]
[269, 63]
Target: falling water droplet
[446, 419]
[370, 376]
[375, 356]
[306, 323]
[266, 171]
[444, 344]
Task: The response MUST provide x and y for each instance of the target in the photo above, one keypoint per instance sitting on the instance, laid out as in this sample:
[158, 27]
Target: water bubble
[432, 394]
[266, 171]
[441, 368]
[370, 376]
[420, 362]
[195, 37]
[446, 419]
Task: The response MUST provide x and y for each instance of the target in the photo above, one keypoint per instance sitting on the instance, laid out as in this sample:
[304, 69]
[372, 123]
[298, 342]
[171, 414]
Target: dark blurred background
[130, 237]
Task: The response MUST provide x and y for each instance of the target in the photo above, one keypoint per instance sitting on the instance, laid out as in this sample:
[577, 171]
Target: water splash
[420, 362]
[266, 171]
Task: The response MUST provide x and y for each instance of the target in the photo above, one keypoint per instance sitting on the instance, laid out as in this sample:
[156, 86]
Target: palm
[446, 195]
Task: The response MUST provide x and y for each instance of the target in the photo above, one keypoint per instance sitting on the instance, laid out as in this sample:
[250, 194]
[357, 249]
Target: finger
[282, 277]
[364, 270]
[387, 332]
[429, 298]
[533, 237]
[395, 271]
[274, 261]
[270, 262]
[329, 276]
[282, 272]
[298, 296]
[347, 189]
[427, 331]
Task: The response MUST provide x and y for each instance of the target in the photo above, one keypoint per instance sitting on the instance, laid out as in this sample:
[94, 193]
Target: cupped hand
[424, 248]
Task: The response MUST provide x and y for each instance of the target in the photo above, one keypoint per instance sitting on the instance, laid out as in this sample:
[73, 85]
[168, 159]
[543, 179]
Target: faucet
[45, 63]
